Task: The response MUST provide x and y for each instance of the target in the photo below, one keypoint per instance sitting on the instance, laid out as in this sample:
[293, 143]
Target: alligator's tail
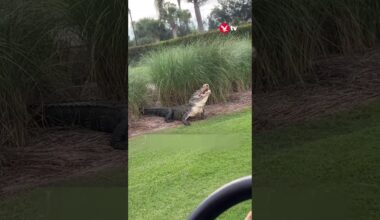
[155, 111]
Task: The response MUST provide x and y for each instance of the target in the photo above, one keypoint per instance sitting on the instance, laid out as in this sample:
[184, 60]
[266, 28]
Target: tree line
[175, 22]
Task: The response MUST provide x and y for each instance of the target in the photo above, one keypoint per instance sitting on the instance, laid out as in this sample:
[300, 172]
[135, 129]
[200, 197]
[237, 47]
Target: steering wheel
[224, 198]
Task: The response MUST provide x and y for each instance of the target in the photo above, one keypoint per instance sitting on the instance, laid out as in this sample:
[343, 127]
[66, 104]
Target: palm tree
[133, 25]
[170, 14]
[197, 3]
[184, 19]
[159, 4]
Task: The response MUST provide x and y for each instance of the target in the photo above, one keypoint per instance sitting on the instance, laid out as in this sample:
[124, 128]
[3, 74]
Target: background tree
[133, 28]
[230, 11]
[129, 41]
[216, 17]
[238, 10]
[150, 31]
[170, 15]
[184, 22]
[165, 32]
[159, 5]
[178, 20]
[197, 4]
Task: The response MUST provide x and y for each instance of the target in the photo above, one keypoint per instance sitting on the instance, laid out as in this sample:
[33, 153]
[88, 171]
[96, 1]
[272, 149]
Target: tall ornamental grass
[138, 95]
[32, 34]
[102, 24]
[288, 35]
[29, 66]
[224, 63]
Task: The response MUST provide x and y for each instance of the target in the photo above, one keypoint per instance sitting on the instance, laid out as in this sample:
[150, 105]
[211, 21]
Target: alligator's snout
[205, 88]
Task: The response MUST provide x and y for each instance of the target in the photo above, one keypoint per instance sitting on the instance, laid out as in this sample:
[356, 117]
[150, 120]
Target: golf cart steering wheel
[224, 198]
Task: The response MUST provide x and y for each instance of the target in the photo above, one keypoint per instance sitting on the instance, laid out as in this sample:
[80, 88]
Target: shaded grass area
[35, 64]
[288, 35]
[100, 24]
[170, 173]
[195, 171]
[29, 63]
[100, 196]
[336, 157]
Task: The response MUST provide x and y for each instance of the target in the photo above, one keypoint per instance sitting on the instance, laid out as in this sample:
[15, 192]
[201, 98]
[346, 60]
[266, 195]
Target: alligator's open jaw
[205, 89]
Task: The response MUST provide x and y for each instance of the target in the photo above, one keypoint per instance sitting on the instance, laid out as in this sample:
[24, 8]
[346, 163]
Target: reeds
[288, 35]
[31, 33]
[224, 63]
[102, 24]
[29, 67]
[138, 94]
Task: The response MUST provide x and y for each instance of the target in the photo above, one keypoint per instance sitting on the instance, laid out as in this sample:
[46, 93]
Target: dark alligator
[182, 113]
[112, 118]
[104, 117]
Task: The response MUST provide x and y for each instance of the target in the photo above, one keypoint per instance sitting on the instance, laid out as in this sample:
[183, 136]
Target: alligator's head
[205, 89]
[200, 97]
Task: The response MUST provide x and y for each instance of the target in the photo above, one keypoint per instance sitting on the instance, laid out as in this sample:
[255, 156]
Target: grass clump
[288, 35]
[29, 65]
[223, 63]
[33, 67]
[101, 25]
[137, 91]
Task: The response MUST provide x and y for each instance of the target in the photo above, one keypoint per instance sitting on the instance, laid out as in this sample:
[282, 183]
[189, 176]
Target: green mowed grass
[169, 182]
[326, 164]
[336, 159]
[172, 172]
[103, 195]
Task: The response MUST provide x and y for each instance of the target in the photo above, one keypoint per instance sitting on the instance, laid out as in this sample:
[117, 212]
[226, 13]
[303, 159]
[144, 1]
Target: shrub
[135, 53]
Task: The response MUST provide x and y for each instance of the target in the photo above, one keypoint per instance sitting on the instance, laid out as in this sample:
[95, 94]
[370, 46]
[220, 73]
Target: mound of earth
[147, 124]
[59, 154]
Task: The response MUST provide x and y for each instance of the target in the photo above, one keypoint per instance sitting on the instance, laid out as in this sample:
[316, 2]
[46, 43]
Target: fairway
[336, 157]
[171, 172]
[99, 196]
